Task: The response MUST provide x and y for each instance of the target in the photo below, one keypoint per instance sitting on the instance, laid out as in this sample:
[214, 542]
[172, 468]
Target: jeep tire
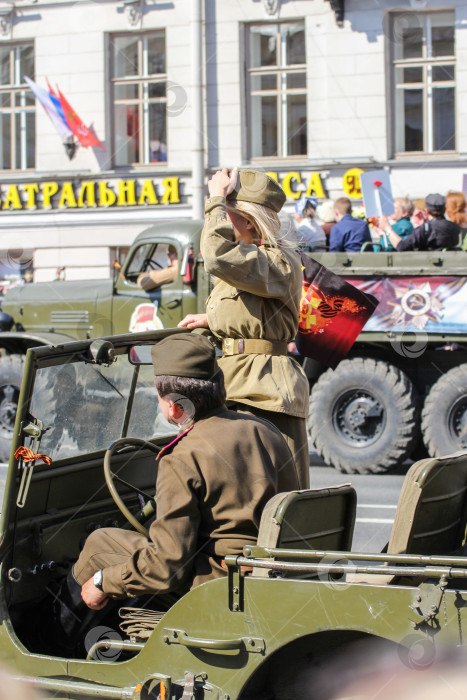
[363, 416]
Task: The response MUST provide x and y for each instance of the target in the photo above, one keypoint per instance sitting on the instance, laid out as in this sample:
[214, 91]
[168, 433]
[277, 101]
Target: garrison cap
[185, 355]
[257, 187]
[435, 201]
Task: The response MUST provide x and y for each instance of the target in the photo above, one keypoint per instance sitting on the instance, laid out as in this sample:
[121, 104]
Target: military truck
[408, 366]
[83, 456]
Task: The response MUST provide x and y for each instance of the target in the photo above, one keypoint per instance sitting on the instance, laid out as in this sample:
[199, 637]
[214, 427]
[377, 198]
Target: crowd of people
[439, 224]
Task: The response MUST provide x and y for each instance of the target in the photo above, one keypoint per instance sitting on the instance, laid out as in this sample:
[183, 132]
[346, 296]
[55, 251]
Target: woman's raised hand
[194, 321]
[223, 182]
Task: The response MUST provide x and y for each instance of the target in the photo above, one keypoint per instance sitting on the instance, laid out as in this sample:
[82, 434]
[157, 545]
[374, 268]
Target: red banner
[80, 130]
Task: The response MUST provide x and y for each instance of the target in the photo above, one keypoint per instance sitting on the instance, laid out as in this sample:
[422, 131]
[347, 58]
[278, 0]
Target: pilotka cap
[435, 201]
[257, 187]
[185, 355]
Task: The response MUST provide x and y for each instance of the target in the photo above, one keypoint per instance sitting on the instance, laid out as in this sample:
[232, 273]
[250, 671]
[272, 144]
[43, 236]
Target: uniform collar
[186, 427]
[168, 448]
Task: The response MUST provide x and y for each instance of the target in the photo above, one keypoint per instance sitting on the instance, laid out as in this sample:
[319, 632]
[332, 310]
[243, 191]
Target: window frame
[15, 88]
[426, 62]
[282, 72]
[141, 101]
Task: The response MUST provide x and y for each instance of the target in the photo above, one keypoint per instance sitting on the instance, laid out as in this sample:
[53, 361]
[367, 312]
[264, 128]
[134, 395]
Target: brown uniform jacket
[258, 296]
[210, 493]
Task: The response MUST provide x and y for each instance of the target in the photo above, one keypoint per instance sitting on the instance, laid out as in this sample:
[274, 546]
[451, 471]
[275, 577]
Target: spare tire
[11, 375]
[444, 415]
[364, 416]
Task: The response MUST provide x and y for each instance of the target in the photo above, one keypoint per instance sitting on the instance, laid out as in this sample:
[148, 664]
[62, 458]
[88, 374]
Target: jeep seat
[431, 515]
[320, 519]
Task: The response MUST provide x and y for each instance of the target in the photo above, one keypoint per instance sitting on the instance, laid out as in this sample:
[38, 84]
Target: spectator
[419, 217]
[349, 234]
[309, 232]
[455, 208]
[435, 234]
[403, 210]
[326, 216]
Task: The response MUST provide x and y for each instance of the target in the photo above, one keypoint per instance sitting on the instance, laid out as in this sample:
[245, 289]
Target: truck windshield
[83, 406]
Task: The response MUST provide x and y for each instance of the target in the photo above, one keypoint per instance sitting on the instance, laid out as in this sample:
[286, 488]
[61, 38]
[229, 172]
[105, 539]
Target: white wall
[347, 109]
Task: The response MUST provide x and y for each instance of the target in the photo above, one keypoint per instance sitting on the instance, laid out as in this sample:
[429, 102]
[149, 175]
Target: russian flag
[52, 106]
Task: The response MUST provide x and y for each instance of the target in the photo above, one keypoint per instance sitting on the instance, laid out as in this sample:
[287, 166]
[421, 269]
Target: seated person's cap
[185, 355]
[257, 187]
[304, 202]
[435, 201]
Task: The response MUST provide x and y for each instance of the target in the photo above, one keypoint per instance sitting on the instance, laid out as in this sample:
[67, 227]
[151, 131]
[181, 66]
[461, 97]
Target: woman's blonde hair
[265, 221]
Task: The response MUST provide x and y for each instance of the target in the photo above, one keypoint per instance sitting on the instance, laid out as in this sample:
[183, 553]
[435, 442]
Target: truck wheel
[11, 374]
[363, 416]
[444, 415]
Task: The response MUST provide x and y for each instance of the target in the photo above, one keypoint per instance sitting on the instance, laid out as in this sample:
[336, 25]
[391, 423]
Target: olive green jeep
[82, 458]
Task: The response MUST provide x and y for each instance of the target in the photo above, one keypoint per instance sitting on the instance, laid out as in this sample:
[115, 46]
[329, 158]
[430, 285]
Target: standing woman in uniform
[254, 306]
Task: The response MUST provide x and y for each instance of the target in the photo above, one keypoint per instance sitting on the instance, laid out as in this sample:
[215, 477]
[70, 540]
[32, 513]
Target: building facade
[312, 91]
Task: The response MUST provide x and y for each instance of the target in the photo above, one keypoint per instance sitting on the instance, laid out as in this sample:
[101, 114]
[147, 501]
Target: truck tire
[444, 415]
[11, 374]
[364, 416]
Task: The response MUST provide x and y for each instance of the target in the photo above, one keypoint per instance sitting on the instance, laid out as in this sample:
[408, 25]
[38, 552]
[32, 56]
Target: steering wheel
[110, 478]
[150, 264]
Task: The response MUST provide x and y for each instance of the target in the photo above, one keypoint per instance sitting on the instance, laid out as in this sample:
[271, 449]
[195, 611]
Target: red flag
[332, 314]
[80, 130]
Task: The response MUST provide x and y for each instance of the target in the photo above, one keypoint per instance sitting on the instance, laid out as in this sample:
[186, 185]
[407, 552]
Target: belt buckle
[241, 346]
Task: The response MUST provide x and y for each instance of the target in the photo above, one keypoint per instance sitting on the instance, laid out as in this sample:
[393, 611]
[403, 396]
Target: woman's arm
[392, 235]
[263, 270]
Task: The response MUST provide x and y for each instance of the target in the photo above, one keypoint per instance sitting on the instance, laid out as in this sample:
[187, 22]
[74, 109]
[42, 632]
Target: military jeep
[86, 432]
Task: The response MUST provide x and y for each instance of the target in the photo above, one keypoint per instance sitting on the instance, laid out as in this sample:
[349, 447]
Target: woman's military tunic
[257, 297]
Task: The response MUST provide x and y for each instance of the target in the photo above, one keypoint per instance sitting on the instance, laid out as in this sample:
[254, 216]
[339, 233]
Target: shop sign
[294, 182]
[53, 194]
[89, 193]
[351, 183]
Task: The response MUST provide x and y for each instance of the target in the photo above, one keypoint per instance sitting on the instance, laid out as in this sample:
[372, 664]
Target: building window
[17, 108]
[424, 82]
[277, 90]
[139, 95]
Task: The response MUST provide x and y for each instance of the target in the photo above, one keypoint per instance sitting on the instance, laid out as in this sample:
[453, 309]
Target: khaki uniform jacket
[155, 278]
[210, 493]
[258, 296]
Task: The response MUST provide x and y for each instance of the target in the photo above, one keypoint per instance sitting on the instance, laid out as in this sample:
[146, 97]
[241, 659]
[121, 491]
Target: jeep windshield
[85, 407]
[85, 404]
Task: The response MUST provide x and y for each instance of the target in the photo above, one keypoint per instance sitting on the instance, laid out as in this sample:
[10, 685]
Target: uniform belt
[253, 346]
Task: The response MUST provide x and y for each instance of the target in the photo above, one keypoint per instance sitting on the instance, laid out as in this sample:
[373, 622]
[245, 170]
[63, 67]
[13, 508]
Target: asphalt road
[377, 497]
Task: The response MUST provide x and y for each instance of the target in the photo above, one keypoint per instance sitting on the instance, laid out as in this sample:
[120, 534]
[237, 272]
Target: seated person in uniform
[435, 234]
[213, 482]
[150, 279]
